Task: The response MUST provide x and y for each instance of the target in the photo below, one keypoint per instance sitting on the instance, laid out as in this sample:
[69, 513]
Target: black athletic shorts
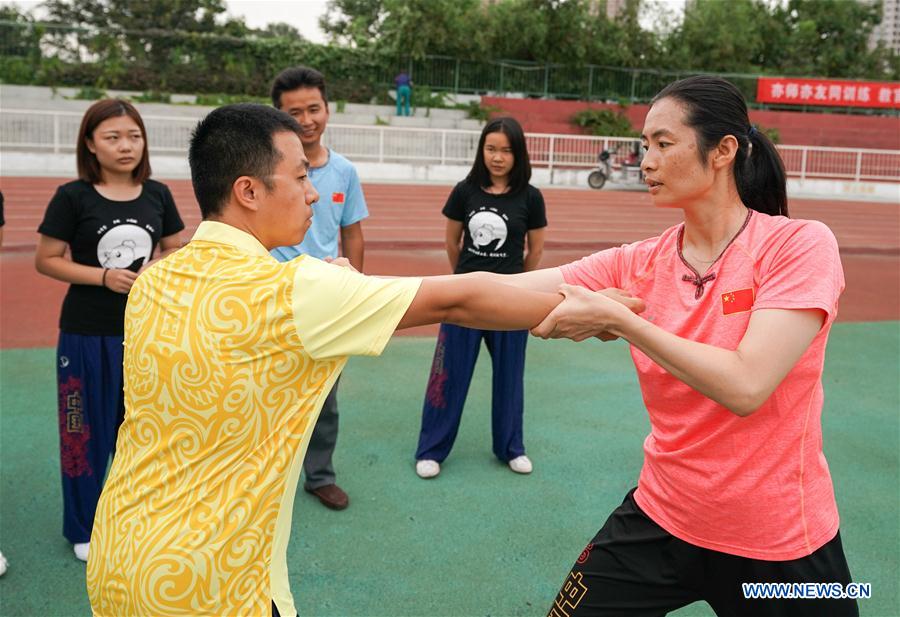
[633, 567]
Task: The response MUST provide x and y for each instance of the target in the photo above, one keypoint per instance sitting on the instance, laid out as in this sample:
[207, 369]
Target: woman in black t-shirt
[495, 223]
[110, 221]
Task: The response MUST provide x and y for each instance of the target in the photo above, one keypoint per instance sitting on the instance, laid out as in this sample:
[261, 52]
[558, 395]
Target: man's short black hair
[297, 77]
[234, 141]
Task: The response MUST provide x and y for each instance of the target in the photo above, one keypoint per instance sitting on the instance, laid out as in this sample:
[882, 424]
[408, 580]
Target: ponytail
[715, 108]
[759, 175]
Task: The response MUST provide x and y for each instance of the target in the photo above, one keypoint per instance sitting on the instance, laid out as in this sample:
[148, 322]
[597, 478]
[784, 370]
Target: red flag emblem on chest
[337, 198]
[739, 301]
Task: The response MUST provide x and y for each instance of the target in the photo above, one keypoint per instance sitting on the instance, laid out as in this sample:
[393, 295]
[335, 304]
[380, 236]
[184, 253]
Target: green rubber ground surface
[478, 540]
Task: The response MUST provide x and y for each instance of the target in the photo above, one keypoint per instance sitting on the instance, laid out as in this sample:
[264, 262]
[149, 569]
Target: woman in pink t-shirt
[729, 352]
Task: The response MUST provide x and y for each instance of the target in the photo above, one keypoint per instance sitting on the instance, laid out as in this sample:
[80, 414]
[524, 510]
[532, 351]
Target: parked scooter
[624, 168]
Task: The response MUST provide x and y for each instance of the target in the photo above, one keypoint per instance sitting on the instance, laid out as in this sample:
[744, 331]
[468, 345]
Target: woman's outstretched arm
[741, 379]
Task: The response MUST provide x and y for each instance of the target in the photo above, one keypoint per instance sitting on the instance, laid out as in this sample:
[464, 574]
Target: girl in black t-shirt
[110, 221]
[495, 223]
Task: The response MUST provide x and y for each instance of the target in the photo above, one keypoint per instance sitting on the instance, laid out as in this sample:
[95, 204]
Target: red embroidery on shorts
[584, 554]
[74, 434]
[438, 378]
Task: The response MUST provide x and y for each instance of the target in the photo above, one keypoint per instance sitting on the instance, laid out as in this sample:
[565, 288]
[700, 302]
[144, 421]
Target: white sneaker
[81, 550]
[427, 468]
[521, 464]
[3, 564]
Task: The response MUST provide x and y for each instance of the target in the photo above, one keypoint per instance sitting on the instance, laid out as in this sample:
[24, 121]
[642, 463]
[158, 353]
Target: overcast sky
[302, 14]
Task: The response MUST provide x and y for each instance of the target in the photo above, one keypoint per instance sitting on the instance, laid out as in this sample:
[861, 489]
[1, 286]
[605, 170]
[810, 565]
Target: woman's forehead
[118, 123]
[665, 115]
[497, 138]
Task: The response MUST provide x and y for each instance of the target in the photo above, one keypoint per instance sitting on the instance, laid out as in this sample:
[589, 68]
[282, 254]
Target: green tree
[606, 122]
[513, 31]
[537, 30]
[281, 30]
[404, 27]
[172, 15]
[150, 34]
[421, 27]
[354, 23]
[830, 38]
[625, 41]
[17, 32]
[721, 36]
[556, 31]
[193, 45]
[20, 51]
[816, 38]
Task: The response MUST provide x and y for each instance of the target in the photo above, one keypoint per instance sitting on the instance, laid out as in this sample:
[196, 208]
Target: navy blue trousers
[451, 372]
[91, 408]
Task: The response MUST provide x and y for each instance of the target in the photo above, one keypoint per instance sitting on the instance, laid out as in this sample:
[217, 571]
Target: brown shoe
[331, 496]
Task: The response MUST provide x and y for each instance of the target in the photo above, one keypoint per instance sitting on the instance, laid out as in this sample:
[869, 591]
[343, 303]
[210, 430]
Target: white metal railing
[56, 131]
[855, 164]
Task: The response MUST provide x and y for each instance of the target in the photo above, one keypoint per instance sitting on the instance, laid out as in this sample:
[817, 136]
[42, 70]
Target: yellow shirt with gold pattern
[229, 356]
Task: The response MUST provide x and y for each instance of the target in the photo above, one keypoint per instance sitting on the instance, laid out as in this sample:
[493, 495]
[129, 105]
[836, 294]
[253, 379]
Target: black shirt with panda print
[108, 234]
[494, 226]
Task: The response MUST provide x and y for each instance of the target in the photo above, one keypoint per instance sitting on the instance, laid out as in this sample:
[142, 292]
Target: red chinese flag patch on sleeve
[739, 301]
[337, 198]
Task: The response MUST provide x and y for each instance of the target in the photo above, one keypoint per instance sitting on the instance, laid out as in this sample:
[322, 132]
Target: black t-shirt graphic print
[106, 234]
[494, 227]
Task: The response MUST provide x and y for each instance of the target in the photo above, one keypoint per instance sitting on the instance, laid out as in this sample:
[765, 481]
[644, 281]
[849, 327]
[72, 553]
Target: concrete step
[416, 122]
[450, 99]
[47, 99]
[355, 118]
[385, 111]
[59, 99]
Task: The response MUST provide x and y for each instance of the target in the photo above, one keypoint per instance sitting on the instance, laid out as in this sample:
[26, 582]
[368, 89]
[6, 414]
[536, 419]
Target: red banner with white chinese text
[828, 92]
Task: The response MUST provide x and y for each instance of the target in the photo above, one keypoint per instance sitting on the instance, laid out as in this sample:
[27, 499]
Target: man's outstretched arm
[477, 303]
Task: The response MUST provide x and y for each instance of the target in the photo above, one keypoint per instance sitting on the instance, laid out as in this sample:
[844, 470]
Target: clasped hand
[584, 314]
[119, 280]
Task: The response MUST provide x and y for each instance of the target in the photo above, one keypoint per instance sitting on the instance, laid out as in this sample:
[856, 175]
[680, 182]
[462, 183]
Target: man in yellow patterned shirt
[229, 355]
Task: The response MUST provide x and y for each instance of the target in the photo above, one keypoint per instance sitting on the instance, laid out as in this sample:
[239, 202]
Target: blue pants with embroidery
[91, 408]
[451, 372]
